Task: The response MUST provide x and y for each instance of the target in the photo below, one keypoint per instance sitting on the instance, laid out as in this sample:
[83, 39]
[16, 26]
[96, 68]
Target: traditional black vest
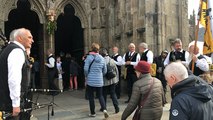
[53, 70]
[119, 67]
[144, 56]
[5, 101]
[175, 55]
[130, 68]
[197, 70]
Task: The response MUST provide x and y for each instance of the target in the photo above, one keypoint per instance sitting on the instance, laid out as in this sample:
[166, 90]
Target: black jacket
[192, 100]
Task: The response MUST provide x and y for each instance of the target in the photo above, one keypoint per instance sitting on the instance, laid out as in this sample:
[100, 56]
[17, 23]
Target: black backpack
[111, 70]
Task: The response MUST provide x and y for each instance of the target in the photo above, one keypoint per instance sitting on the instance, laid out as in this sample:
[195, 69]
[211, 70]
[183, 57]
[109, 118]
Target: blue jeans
[98, 91]
[111, 90]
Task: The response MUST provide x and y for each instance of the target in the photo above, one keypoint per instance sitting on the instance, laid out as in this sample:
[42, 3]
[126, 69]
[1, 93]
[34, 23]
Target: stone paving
[71, 105]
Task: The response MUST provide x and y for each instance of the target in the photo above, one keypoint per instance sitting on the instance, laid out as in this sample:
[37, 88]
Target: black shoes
[117, 110]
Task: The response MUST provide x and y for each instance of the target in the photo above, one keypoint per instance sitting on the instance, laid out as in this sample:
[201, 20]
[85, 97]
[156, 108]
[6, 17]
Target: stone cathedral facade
[109, 22]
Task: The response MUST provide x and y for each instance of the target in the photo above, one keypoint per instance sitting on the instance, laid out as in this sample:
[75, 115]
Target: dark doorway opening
[69, 37]
[23, 17]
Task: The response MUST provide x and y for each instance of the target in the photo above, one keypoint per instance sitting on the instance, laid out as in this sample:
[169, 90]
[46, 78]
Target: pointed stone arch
[80, 13]
[36, 6]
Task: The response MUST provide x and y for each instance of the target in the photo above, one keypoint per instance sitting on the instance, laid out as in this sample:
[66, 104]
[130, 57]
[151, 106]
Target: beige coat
[153, 107]
[115, 79]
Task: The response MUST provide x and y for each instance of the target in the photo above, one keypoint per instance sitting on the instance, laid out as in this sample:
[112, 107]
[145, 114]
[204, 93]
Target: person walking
[110, 84]
[147, 95]
[94, 70]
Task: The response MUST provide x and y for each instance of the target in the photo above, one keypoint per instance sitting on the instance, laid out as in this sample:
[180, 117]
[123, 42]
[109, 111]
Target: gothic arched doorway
[69, 36]
[24, 17]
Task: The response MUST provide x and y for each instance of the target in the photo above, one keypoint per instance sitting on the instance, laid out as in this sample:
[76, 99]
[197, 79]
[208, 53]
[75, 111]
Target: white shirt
[166, 62]
[51, 63]
[15, 61]
[149, 56]
[202, 64]
[119, 61]
[138, 57]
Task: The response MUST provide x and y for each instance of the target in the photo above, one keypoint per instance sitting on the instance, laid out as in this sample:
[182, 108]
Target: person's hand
[16, 111]
[194, 57]
[128, 63]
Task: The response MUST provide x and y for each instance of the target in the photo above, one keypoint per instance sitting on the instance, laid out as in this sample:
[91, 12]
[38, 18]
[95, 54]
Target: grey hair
[12, 35]
[177, 69]
[177, 40]
[19, 32]
[132, 44]
[144, 45]
[103, 52]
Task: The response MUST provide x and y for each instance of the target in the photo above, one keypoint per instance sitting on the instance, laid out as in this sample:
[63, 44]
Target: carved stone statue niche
[103, 17]
[93, 4]
[94, 19]
[50, 4]
[102, 3]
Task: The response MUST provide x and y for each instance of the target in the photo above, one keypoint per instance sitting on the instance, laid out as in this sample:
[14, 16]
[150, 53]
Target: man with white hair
[200, 63]
[130, 59]
[177, 54]
[192, 97]
[147, 55]
[14, 82]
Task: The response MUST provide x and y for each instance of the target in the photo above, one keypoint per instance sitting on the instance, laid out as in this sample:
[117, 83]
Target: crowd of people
[187, 73]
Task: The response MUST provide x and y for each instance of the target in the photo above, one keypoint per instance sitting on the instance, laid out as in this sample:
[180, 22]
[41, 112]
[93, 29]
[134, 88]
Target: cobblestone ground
[71, 105]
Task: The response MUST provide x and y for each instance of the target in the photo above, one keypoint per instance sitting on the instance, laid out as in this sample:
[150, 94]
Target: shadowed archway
[69, 35]
[24, 17]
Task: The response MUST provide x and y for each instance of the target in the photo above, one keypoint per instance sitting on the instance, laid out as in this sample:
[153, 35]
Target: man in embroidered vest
[130, 59]
[51, 71]
[146, 54]
[13, 81]
[118, 61]
[177, 54]
[200, 63]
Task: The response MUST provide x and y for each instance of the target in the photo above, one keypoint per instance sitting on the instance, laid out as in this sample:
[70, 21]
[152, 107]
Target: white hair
[19, 32]
[12, 33]
[131, 45]
[144, 45]
[177, 69]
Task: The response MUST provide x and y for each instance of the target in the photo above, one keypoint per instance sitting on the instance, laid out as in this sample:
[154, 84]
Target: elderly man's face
[115, 50]
[26, 39]
[131, 48]
[141, 49]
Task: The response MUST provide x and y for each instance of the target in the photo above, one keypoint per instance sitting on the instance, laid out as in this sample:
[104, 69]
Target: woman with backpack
[110, 79]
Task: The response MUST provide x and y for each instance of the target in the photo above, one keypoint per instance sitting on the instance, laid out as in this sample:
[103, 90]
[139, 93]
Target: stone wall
[115, 22]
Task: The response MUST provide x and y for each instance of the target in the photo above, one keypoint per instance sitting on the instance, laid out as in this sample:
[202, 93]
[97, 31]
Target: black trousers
[131, 78]
[110, 90]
